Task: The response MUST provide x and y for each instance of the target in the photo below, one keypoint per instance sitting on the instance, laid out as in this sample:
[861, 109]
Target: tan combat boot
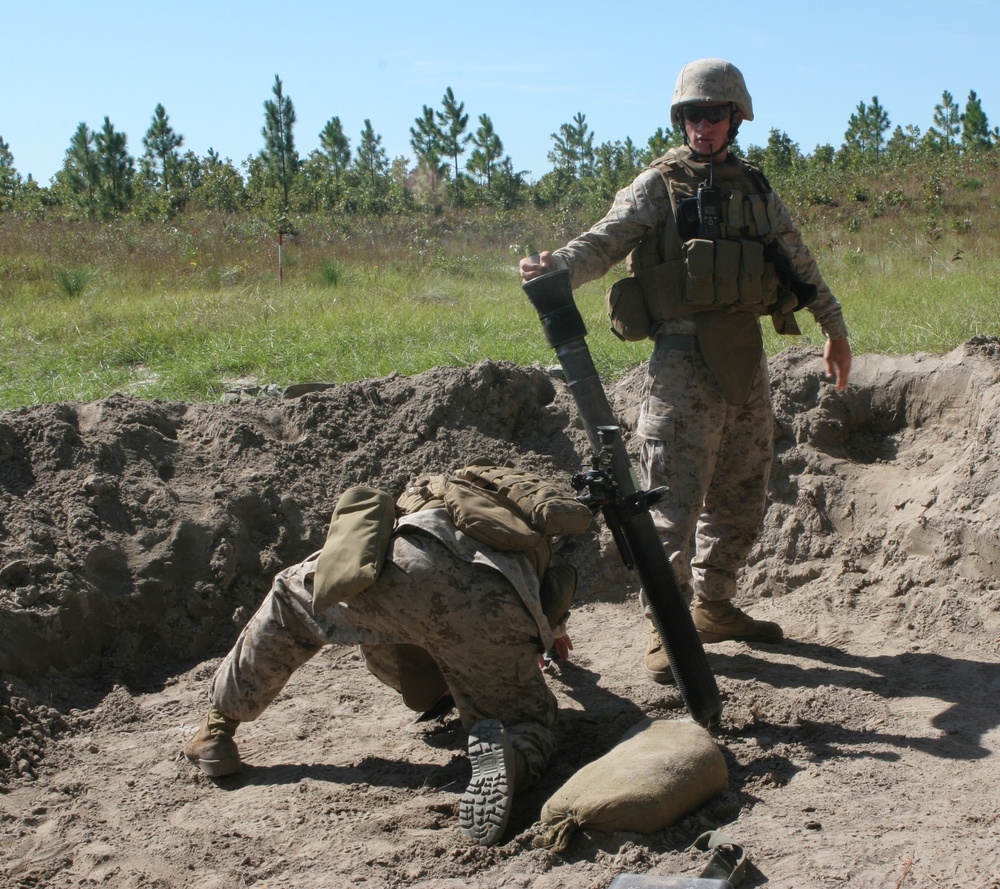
[656, 663]
[721, 621]
[213, 749]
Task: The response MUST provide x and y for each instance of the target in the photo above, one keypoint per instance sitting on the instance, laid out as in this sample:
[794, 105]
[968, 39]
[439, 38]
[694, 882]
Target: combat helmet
[711, 80]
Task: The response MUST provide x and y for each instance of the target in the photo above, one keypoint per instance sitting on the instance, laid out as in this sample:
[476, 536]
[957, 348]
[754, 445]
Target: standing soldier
[710, 249]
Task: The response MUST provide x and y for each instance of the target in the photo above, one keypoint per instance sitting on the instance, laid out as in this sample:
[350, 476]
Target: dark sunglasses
[713, 113]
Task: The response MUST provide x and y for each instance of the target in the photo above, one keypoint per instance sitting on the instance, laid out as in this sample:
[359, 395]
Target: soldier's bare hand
[563, 645]
[535, 265]
[837, 356]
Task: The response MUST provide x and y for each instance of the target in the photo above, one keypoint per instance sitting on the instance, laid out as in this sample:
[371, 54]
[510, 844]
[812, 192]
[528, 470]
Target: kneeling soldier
[437, 610]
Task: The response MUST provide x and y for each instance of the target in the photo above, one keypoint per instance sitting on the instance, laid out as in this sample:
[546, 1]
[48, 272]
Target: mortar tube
[552, 297]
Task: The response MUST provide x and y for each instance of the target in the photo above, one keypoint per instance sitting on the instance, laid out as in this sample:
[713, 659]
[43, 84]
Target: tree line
[455, 164]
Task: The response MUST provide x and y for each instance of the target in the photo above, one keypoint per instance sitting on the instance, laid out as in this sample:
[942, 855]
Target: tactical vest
[725, 284]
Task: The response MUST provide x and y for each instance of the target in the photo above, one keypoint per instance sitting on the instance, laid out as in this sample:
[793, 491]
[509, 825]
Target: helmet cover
[710, 80]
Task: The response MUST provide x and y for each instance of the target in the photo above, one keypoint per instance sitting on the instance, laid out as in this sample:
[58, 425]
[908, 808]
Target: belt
[678, 342]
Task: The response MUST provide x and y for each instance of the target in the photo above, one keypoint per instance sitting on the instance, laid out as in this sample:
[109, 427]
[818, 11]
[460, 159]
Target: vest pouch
[638, 305]
[627, 310]
[549, 508]
[489, 517]
[727, 270]
[699, 264]
[752, 273]
[662, 288]
[424, 492]
[356, 546]
[556, 592]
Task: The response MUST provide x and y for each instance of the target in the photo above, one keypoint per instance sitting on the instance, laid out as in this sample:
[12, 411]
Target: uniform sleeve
[825, 308]
[638, 209]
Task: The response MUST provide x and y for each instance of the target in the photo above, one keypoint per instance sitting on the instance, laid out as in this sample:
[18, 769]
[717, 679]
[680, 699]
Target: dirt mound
[136, 538]
[140, 533]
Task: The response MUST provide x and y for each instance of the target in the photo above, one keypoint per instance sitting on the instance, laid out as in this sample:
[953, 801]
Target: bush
[72, 282]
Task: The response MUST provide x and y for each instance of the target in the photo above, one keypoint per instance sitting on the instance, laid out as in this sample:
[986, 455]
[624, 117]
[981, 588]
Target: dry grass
[178, 310]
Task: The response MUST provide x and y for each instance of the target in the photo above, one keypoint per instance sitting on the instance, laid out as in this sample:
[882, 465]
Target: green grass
[182, 314]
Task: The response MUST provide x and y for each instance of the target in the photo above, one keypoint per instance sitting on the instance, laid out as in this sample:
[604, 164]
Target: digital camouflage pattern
[713, 457]
[461, 610]
[710, 80]
[643, 209]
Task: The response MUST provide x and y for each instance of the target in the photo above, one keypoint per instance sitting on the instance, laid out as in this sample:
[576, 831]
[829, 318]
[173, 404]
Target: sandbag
[661, 770]
[356, 545]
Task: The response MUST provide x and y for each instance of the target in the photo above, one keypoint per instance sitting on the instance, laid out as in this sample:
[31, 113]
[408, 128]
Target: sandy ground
[136, 538]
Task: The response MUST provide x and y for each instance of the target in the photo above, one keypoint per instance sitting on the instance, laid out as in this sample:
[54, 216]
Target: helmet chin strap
[711, 154]
[730, 138]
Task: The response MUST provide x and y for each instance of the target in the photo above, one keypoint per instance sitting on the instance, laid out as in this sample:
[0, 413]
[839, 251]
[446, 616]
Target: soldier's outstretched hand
[837, 355]
[561, 647]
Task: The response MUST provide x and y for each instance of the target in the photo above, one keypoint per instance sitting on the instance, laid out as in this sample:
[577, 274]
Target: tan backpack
[508, 509]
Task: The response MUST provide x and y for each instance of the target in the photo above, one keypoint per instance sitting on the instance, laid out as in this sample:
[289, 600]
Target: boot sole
[709, 638]
[214, 767]
[486, 803]
[660, 677]
[217, 768]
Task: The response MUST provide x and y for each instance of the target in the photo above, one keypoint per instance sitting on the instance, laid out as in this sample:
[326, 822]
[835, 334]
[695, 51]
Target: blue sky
[531, 66]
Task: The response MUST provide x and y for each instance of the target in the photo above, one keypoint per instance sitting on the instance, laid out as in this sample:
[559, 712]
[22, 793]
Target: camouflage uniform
[714, 457]
[473, 609]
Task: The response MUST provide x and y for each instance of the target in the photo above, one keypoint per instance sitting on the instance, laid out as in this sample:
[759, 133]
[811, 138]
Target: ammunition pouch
[793, 294]
[631, 303]
[556, 592]
[727, 275]
[409, 669]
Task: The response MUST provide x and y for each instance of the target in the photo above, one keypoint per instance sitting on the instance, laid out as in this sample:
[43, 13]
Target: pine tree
[117, 170]
[10, 179]
[975, 127]
[336, 146]
[573, 150]
[616, 164]
[452, 122]
[661, 142]
[371, 161]
[80, 173]
[947, 123]
[905, 142]
[221, 187]
[878, 124]
[322, 173]
[161, 144]
[279, 154]
[866, 130]
[780, 154]
[487, 151]
[426, 140]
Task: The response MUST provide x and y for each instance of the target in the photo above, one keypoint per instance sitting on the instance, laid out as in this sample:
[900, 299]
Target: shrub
[330, 273]
[72, 282]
